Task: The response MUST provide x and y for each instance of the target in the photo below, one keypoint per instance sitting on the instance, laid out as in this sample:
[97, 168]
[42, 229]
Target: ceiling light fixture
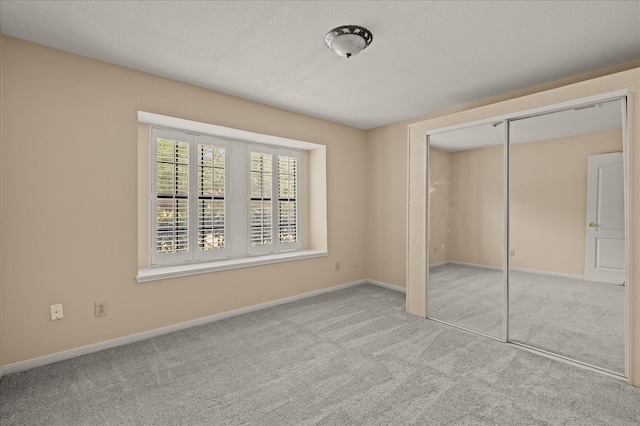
[348, 40]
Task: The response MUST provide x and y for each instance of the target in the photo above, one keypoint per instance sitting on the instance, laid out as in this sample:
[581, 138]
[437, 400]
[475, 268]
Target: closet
[527, 226]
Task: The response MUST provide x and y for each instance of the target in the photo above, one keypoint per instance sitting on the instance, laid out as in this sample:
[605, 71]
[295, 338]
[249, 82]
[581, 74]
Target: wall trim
[499, 268]
[554, 274]
[387, 285]
[108, 344]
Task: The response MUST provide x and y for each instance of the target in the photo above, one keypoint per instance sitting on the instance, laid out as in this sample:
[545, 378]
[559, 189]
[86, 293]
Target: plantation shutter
[260, 202]
[274, 204]
[188, 196]
[288, 201]
[212, 203]
[171, 196]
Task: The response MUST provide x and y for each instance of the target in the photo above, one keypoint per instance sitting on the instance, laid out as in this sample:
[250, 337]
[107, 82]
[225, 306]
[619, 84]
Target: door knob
[591, 224]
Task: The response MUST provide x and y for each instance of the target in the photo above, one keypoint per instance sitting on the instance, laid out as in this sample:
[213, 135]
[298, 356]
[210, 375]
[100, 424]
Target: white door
[604, 243]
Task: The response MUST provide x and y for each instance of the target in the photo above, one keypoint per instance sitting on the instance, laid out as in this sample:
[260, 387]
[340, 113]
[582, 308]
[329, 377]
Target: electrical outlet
[56, 312]
[337, 266]
[101, 308]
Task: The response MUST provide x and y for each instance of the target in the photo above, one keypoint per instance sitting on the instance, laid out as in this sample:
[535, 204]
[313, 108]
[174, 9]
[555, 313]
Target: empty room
[319, 212]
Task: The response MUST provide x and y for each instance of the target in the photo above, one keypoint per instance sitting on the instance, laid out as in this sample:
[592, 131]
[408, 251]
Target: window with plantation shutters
[273, 203]
[189, 198]
[214, 199]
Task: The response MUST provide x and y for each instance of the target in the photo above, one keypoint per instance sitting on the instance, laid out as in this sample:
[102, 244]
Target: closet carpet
[581, 320]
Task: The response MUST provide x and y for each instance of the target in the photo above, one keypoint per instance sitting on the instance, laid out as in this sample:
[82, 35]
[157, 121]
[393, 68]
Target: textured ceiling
[425, 56]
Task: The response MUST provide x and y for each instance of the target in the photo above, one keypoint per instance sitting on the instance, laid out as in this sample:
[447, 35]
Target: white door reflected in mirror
[604, 235]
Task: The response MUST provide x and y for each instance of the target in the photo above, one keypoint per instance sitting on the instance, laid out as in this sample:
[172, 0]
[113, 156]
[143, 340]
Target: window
[273, 224]
[189, 198]
[217, 199]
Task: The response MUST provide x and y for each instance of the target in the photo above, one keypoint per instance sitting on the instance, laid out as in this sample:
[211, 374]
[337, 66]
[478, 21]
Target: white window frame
[312, 219]
[237, 201]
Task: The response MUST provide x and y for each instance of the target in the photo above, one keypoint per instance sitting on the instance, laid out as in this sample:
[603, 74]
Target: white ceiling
[425, 55]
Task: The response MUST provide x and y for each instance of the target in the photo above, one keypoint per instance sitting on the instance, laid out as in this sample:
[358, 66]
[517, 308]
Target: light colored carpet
[582, 320]
[352, 357]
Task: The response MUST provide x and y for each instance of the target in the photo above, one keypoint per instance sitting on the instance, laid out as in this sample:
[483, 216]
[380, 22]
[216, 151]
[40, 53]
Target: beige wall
[440, 187]
[547, 203]
[418, 201]
[387, 204]
[548, 198]
[476, 208]
[70, 203]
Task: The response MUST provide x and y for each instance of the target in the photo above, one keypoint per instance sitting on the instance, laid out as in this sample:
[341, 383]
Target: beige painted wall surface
[440, 182]
[476, 218]
[547, 203]
[548, 198]
[70, 203]
[418, 204]
[387, 204]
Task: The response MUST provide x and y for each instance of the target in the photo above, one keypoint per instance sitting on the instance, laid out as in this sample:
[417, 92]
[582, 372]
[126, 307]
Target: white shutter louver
[172, 196]
[261, 188]
[211, 197]
[287, 199]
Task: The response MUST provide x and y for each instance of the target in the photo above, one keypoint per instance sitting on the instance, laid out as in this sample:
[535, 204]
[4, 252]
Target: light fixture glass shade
[348, 40]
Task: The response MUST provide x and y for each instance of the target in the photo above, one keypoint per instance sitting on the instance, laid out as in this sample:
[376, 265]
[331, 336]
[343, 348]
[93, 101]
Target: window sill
[175, 271]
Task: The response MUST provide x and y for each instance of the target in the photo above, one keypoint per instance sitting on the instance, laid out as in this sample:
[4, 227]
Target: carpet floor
[351, 357]
[581, 320]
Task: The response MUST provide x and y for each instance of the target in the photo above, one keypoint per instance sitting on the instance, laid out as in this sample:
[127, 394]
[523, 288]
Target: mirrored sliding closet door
[554, 181]
[466, 231]
[567, 234]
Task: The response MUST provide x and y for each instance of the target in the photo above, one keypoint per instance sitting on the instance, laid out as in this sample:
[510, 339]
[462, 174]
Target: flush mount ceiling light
[348, 40]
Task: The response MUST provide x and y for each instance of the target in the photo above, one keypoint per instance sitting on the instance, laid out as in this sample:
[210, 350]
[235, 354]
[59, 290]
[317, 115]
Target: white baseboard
[475, 265]
[553, 274]
[387, 285]
[108, 344]
[498, 268]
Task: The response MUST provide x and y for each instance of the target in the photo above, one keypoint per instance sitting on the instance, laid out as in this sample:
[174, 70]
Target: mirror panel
[466, 228]
[566, 234]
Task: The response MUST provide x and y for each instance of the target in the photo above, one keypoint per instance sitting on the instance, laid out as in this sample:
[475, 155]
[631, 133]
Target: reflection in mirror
[466, 228]
[566, 234]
